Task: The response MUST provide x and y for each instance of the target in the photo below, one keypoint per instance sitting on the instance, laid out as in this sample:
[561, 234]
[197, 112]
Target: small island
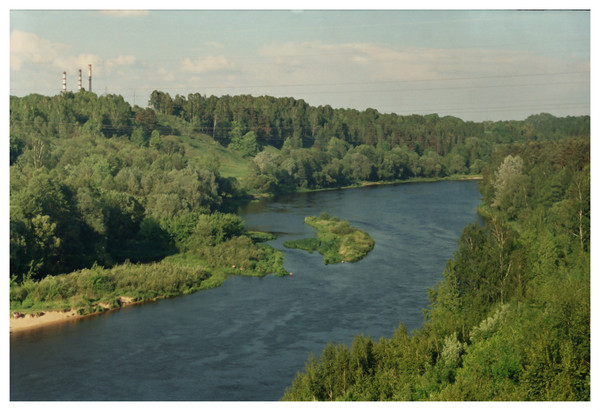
[336, 241]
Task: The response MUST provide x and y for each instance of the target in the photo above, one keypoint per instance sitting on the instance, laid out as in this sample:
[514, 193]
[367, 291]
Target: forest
[105, 196]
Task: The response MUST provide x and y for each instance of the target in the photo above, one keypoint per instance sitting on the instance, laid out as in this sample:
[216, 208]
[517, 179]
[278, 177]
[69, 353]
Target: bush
[336, 240]
[85, 289]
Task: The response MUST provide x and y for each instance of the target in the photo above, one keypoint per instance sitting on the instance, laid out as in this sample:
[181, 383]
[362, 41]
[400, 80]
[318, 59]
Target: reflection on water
[247, 339]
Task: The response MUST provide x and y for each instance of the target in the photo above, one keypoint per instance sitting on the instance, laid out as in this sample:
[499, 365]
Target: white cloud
[27, 48]
[121, 61]
[206, 64]
[73, 63]
[349, 62]
[165, 75]
[30, 49]
[99, 65]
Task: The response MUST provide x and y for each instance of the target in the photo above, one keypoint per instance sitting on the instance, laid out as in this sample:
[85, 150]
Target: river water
[247, 339]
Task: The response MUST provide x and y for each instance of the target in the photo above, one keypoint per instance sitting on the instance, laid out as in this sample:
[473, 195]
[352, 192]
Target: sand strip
[31, 321]
[47, 318]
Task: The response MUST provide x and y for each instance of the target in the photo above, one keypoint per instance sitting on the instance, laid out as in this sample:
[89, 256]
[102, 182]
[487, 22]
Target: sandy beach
[48, 318]
[32, 321]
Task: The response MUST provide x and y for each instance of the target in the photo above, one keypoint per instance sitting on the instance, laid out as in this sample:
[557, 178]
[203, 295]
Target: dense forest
[101, 190]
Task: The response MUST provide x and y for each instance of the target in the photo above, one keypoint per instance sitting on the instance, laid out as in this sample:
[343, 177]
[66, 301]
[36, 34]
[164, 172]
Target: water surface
[247, 339]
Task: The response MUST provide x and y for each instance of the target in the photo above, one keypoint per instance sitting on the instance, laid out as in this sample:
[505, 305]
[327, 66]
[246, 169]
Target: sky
[473, 64]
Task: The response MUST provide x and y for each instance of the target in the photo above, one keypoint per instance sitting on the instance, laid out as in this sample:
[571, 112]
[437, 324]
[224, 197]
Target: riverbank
[457, 177]
[29, 322]
[97, 289]
[454, 177]
[33, 321]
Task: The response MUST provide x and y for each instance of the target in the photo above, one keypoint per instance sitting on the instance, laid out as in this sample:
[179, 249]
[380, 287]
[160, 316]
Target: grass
[203, 147]
[98, 288]
[336, 241]
[90, 290]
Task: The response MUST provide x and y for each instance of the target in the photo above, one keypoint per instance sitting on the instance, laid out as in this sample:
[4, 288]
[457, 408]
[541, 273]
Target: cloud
[166, 75]
[350, 62]
[124, 13]
[367, 62]
[99, 65]
[73, 63]
[29, 51]
[27, 48]
[121, 61]
[206, 64]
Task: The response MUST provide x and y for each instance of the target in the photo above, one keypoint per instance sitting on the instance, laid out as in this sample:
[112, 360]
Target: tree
[46, 244]
[572, 214]
[39, 153]
[116, 115]
[337, 148]
[431, 164]
[579, 194]
[358, 167]
[16, 148]
[246, 144]
[161, 102]
[510, 186]
[137, 137]
[456, 164]
[146, 117]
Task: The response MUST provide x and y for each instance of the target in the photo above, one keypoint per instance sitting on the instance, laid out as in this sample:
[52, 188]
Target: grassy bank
[336, 240]
[97, 289]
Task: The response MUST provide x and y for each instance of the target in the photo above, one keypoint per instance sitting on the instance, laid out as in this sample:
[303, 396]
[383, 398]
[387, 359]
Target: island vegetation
[336, 240]
[109, 200]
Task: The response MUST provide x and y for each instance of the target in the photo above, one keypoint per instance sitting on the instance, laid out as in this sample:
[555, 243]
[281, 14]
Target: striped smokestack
[89, 77]
[64, 90]
[79, 81]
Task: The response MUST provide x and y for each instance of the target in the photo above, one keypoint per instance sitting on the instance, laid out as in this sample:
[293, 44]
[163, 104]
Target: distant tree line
[325, 147]
[274, 120]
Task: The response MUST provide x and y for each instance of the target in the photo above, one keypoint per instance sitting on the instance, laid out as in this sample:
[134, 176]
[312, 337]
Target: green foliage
[306, 244]
[510, 186]
[194, 230]
[85, 199]
[244, 256]
[336, 240]
[246, 144]
[260, 237]
[88, 288]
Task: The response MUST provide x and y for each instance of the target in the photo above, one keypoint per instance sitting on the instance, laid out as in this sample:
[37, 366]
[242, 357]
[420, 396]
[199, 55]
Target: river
[247, 339]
